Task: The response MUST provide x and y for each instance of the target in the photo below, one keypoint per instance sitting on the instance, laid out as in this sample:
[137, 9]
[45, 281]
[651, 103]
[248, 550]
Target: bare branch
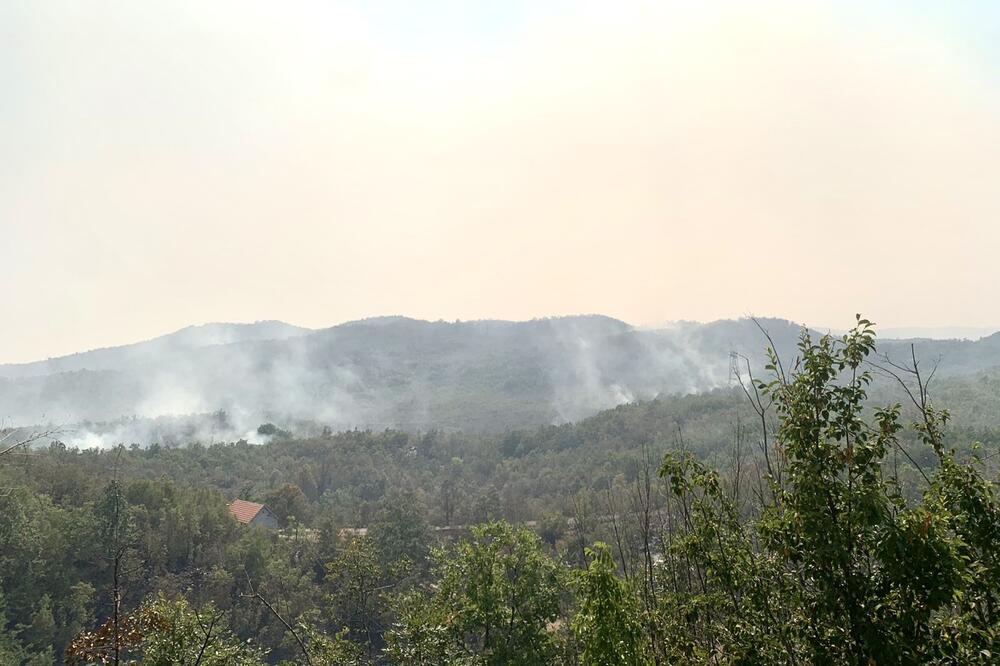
[774, 349]
[25, 440]
[208, 634]
[255, 594]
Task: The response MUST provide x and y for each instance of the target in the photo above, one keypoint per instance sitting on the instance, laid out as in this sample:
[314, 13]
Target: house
[251, 513]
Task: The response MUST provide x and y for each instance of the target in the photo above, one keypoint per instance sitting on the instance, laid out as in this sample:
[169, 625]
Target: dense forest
[828, 510]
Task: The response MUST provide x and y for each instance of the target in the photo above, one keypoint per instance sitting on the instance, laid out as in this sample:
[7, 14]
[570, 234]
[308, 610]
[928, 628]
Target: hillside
[411, 374]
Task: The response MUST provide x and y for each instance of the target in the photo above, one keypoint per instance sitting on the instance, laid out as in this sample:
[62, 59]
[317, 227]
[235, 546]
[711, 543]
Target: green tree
[838, 568]
[40, 632]
[421, 636]
[177, 633]
[496, 595]
[357, 600]
[162, 632]
[326, 650]
[608, 623]
[400, 531]
[117, 537]
[288, 501]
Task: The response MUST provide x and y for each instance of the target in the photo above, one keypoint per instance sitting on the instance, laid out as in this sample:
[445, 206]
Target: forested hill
[527, 471]
[410, 374]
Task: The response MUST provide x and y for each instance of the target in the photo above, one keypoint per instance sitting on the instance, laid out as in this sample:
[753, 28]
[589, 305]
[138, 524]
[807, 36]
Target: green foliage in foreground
[837, 568]
[607, 624]
[494, 598]
[163, 632]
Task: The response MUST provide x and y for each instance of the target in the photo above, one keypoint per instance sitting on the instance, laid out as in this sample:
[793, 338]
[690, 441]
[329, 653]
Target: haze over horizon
[319, 162]
[885, 333]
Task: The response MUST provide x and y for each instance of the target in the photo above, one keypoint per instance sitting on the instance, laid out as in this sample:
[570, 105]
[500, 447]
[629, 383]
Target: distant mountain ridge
[413, 374]
[187, 338]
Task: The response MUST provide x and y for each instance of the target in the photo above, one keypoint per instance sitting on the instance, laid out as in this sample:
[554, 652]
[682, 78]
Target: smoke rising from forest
[221, 382]
[377, 373]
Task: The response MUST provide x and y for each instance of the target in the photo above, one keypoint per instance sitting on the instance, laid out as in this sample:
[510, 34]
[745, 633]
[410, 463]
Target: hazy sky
[168, 163]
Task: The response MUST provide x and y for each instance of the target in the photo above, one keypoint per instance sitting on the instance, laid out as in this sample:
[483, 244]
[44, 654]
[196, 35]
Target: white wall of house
[265, 518]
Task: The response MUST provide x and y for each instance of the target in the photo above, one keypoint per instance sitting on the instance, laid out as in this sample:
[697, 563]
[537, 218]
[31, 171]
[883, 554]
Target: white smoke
[390, 372]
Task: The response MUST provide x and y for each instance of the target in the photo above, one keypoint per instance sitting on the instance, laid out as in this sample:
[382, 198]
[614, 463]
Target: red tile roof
[244, 511]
